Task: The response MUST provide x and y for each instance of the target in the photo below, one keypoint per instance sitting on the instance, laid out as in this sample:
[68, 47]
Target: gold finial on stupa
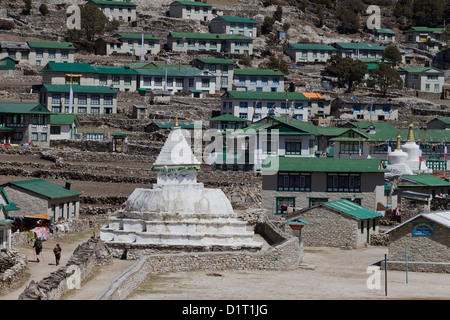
[176, 120]
[399, 144]
[410, 133]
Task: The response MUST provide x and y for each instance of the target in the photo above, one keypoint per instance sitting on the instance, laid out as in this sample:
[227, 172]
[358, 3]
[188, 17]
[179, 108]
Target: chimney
[68, 184]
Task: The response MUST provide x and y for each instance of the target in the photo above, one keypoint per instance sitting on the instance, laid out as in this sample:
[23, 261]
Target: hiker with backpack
[37, 248]
[57, 251]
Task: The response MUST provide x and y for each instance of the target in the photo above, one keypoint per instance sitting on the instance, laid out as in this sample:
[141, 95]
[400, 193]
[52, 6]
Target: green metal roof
[62, 118]
[77, 89]
[353, 209]
[313, 164]
[208, 36]
[51, 44]
[173, 71]
[233, 19]
[424, 180]
[254, 95]
[168, 125]
[361, 46]
[425, 29]
[258, 72]
[113, 3]
[386, 31]
[24, 108]
[137, 36]
[215, 61]
[228, 117]
[68, 67]
[114, 70]
[190, 3]
[417, 69]
[45, 188]
[310, 46]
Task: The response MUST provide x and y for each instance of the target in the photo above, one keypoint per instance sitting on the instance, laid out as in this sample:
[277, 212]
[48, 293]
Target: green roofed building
[309, 52]
[356, 50]
[42, 52]
[260, 80]
[426, 79]
[234, 25]
[128, 44]
[122, 11]
[24, 123]
[63, 126]
[215, 42]
[254, 105]
[222, 68]
[424, 34]
[86, 99]
[121, 78]
[294, 183]
[195, 10]
[340, 223]
[384, 35]
[40, 197]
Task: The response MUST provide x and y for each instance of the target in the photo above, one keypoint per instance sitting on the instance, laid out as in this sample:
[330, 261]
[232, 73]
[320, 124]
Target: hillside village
[316, 133]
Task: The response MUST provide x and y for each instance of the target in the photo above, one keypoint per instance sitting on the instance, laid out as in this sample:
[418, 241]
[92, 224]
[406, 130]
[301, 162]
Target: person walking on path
[57, 251]
[37, 248]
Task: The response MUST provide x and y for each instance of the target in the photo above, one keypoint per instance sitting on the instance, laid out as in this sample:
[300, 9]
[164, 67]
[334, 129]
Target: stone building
[364, 108]
[260, 80]
[424, 240]
[22, 123]
[215, 42]
[37, 197]
[128, 43]
[194, 10]
[123, 11]
[43, 52]
[357, 50]
[340, 223]
[294, 183]
[234, 25]
[309, 52]
[86, 99]
[426, 79]
[221, 67]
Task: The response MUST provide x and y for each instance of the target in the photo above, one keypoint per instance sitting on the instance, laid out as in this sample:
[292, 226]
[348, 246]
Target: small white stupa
[178, 212]
[405, 160]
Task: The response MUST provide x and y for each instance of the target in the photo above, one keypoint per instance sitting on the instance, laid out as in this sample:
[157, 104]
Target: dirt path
[90, 289]
[333, 274]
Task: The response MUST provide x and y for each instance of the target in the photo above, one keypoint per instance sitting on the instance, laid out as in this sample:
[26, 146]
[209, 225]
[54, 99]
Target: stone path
[90, 289]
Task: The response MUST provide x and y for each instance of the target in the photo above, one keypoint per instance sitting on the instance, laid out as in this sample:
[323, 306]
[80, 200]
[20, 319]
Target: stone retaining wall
[284, 255]
[79, 267]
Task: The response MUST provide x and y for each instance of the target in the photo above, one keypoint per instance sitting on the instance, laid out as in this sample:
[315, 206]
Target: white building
[194, 10]
[234, 25]
[122, 11]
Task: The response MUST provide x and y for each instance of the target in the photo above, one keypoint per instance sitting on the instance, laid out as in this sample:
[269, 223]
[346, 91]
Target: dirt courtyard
[327, 274]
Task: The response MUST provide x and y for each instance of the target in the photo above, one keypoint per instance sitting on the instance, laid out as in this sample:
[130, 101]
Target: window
[43, 136]
[356, 108]
[427, 87]
[253, 80]
[243, 115]
[294, 182]
[82, 110]
[51, 54]
[95, 110]
[316, 201]
[95, 136]
[39, 53]
[436, 87]
[243, 105]
[293, 147]
[349, 147]
[380, 149]
[55, 130]
[276, 81]
[179, 82]
[170, 82]
[343, 182]
[432, 77]
[116, 80]
[147, 81]
[225, 69]
[158, 82]
[282, 205]
[103, 80]
[56, 109]
[108, 100]
[242, 80]
[127, 81]
[95, 100]
[386, 109]
[205, 83]
[264, 81]
[56, 98]
[34, 136]
[82, 99]
[224, 81]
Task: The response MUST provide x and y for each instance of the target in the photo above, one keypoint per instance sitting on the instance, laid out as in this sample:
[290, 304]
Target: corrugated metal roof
[353, 209]
[233, 19]
[258, 72]
[45, 188]
[441, 217]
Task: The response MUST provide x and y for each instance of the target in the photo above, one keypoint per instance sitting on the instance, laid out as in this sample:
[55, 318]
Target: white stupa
[178, 211]
[405, 160]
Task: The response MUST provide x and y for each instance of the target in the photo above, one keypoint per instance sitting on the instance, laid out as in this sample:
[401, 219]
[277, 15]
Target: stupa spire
[410, 133]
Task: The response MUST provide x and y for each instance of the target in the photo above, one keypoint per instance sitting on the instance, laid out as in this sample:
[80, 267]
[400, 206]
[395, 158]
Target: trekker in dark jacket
[37, 248]
[57, 251]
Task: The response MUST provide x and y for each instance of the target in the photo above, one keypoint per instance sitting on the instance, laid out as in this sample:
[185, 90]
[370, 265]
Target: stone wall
[83, 260]
[12, 270]
[284, 255]
[425, 253]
